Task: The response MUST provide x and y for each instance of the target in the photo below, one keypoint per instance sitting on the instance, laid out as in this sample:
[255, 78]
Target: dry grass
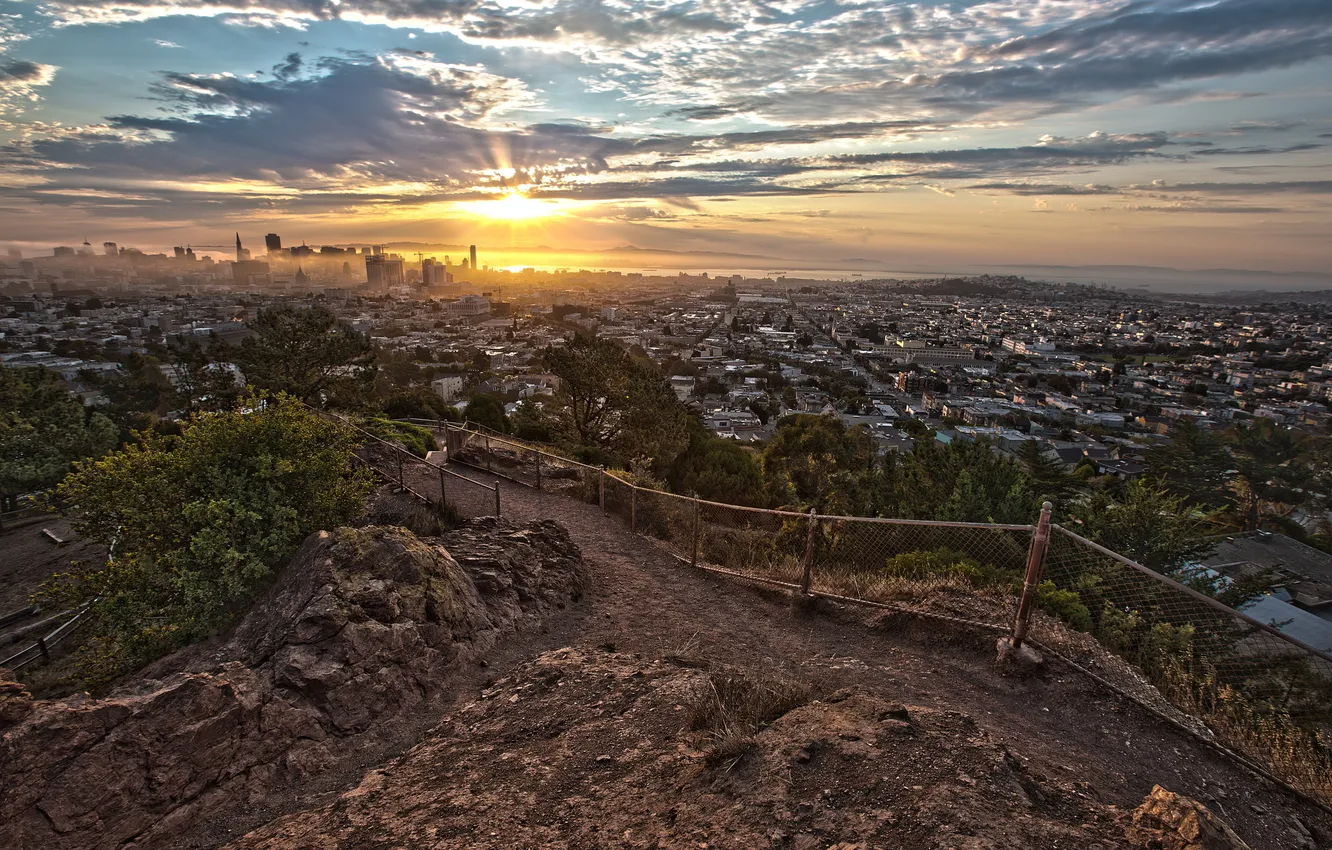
[735, 705]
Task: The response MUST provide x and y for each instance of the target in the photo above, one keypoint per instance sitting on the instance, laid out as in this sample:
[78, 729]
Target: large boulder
[362, 626]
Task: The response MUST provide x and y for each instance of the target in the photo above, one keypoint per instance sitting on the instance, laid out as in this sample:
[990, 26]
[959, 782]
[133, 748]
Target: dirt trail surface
[645, 602]
[28, 557]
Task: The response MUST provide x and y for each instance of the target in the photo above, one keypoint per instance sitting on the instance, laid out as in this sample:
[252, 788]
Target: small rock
[1169, 821]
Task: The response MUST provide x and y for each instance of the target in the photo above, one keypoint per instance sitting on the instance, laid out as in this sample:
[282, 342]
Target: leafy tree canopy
[608, 399]
[816, 461]
[199, 522]
[310, 354]
[717, 470]
[487, 410]
[43, 430]
[1147, 523]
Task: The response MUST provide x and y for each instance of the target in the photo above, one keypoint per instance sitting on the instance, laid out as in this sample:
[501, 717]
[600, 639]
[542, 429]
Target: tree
[418, 403]
[138, 394]
[531, 422]
[1047, 474]
[610, 400]
[718, 470]
[201, 384]
[1148, 523]
[43, 430]
[309, 354]
[487, 411]
[816, 461]
[961, 481]
[199, 523]
[1192, 464]
[1269, 465]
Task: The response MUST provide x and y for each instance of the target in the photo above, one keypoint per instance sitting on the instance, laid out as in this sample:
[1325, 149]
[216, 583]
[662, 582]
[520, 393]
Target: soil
[28, 557]
[647, 605]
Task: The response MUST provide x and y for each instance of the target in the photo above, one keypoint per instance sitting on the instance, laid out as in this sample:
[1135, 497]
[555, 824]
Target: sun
[515, 206]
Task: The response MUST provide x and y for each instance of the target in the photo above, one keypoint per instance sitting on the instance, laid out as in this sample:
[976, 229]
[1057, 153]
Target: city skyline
[914, 136]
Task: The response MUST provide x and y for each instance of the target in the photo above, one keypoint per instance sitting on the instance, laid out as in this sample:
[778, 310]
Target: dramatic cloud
[657, 111]
[393, 119]
[19, 82]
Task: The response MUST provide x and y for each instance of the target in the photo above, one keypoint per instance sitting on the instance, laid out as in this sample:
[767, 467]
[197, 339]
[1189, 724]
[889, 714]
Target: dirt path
[646, 601]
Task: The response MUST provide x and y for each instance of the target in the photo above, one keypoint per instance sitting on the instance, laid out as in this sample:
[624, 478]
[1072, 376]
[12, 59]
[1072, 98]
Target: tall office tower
[179, 252]
[242, 254]
[273, 243]
[472, 250]
[383, 271]
[434, 273]
[109, 249]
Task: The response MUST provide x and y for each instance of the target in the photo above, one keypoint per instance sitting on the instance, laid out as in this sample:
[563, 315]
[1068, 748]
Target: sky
[914, 135]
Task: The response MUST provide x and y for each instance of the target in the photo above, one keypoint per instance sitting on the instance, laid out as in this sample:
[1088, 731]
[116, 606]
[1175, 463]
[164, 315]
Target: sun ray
[513, 206]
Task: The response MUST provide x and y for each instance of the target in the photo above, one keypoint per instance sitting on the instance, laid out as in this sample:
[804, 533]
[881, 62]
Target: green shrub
[418, 441]
[199, 523]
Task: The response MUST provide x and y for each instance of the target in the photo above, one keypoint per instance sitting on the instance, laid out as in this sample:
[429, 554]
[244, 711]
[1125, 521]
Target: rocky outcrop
[1169, 821]
[363, 626]
[583, 749]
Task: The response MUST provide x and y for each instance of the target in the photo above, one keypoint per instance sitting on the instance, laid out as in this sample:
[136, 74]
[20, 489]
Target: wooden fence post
[1040, 541]
[807, 567]
[497, 502]
[693, 557]
[443, 494]
[487, 453]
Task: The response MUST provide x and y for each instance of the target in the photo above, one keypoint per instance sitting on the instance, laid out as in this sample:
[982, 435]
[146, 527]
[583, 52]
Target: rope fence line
[1263, 693]
[402, 460]
[40, 650]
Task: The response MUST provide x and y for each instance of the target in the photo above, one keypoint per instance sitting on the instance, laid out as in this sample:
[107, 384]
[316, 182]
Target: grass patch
[735, 705]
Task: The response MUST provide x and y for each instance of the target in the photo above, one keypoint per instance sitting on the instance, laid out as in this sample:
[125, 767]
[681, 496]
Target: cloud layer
[760, 99]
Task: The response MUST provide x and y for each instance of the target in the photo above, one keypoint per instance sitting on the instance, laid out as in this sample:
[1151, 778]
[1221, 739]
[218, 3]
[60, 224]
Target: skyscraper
[273, 243]
[241, 253]
[383, 271]
[434, 273]
[472, 250]
[109, 249]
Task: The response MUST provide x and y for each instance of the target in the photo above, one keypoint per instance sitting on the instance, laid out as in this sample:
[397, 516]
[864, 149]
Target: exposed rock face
[1169, 821]
[15, 701]
[579, 750]
[363, 625]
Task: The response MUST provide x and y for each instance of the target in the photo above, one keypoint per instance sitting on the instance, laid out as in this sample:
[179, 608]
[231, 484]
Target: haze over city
[873, 137]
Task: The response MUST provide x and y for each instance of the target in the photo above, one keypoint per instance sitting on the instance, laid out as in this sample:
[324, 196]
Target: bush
[487, 411]
[199, 523]
[416, 440]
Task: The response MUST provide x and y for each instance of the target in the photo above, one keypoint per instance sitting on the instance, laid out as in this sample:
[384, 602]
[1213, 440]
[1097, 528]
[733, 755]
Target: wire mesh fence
[966, 570]
[1258, 689]
[1262, 693]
